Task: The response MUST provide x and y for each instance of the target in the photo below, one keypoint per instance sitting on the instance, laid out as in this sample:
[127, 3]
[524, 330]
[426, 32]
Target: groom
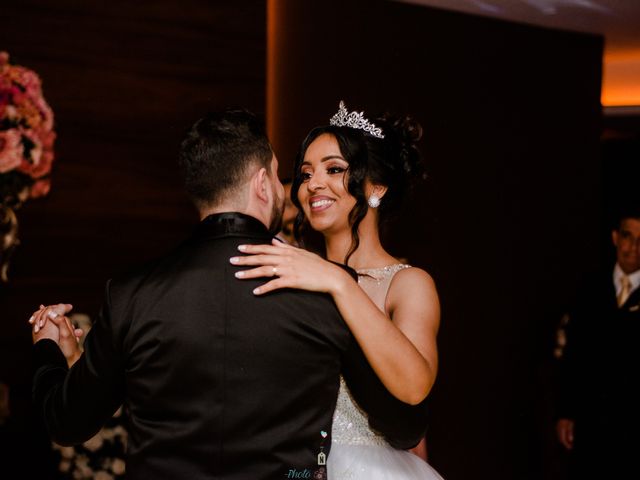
[217, 383]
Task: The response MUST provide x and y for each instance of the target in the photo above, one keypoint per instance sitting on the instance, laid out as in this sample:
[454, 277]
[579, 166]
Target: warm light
[271, 67]
[621, 78]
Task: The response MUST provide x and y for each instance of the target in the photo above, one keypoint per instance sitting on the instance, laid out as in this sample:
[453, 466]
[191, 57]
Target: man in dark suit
[216, 382]
[598, 408]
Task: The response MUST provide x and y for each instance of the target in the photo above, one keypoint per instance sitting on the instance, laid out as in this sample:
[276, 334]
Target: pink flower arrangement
[26, 135]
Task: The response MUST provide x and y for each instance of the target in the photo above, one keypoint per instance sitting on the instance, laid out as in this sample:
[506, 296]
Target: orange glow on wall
[621, 78]
[271, 67]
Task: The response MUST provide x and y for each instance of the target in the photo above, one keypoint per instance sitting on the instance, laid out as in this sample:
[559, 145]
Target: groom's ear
[260, 184]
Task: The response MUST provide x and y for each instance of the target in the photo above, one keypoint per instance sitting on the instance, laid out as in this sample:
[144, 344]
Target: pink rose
[41, 154]
[11, 150]
[47, 137]
[44, 166]
[27, 145]
[5, 95]
[45, 112]
[30, 81]
[40, 188]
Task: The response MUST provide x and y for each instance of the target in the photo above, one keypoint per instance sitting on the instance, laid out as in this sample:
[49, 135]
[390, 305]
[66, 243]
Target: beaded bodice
[350, 424]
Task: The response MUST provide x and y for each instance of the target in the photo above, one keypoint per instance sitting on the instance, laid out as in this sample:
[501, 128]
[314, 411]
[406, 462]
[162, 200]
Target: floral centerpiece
[26, 148]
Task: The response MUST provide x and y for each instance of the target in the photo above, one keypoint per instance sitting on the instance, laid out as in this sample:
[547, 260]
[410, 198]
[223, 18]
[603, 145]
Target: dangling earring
[374, 201]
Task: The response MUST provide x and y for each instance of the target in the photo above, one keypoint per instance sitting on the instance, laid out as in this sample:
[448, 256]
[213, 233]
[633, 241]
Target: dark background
[513, 212]
[510, 215]
[125, 80]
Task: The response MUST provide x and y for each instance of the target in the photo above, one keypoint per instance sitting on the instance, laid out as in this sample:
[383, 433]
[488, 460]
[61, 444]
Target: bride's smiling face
[323, 193]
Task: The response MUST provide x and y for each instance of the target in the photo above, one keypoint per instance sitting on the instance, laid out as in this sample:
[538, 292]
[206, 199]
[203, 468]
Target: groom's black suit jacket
[599, 374]
[217, 383]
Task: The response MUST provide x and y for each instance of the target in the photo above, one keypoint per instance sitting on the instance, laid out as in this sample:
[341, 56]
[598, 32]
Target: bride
[349, 176]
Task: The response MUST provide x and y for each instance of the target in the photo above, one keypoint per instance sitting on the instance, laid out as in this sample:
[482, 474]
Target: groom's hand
[42, 315]
[48, 331]
[50, 322]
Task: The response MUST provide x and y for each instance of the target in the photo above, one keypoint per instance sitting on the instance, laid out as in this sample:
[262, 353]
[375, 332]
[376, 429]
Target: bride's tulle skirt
[376, 462]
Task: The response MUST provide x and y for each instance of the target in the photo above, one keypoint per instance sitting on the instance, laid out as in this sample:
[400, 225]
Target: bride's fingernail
[35, 329]
[52, 314]
[239, 274]
[31, 319]
[256, 291]
[234, 259]
[242, 248]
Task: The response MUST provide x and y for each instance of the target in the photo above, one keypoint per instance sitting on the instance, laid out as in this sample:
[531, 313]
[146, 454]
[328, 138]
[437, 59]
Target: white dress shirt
[634, 278]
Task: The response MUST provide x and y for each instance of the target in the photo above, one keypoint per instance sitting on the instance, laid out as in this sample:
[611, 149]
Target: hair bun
[404, 133]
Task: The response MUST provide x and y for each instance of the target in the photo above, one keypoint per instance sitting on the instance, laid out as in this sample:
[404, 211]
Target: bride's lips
[320, 203]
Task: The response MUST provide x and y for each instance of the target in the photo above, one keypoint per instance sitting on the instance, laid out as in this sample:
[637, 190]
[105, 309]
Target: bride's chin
[319, 226]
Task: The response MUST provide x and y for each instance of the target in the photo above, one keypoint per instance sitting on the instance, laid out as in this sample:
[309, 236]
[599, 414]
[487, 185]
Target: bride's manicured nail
[242, 248]
[239, 274]
[256, 291]
[31, 319]
[52, 314]
[234, 259]
[35, 329]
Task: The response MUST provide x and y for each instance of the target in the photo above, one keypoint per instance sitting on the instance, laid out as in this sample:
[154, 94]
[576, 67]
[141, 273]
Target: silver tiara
[354, 120]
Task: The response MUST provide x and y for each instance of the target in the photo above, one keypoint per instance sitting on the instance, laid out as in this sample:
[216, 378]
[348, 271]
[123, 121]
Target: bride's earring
[374, 201]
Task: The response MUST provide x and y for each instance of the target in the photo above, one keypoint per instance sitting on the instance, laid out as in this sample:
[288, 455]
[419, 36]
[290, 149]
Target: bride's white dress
[358, 453]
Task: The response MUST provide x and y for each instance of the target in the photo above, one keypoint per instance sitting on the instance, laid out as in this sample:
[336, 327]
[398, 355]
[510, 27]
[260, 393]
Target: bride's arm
[403, 351]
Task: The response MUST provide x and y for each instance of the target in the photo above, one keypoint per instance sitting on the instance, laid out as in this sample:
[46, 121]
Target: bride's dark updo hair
[393, 161]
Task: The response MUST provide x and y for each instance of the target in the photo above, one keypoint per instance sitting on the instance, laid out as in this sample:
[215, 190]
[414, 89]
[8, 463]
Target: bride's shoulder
[412, 297]
[411, 274]
[411, 282]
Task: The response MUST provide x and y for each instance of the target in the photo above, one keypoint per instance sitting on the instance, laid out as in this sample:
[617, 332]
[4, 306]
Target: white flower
[67, 452]
[65, 466]
[118, 466]
[93, 444]
[83, 470]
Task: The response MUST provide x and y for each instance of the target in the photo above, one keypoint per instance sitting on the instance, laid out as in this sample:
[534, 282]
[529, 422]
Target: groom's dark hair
[217, 153]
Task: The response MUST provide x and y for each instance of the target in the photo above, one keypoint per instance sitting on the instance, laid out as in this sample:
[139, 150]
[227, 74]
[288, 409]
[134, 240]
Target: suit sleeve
[76, 402]
[567, 370]
[402, 425]
[573, 365]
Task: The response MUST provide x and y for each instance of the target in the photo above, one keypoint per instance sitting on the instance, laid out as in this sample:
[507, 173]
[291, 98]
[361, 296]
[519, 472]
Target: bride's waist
[351, 434]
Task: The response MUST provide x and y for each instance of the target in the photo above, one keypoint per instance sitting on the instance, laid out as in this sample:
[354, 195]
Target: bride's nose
[315, 183]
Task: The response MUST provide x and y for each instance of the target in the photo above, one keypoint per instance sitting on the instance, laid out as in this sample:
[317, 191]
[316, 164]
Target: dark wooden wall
[510, 215]
[125, 79]
[506, 222]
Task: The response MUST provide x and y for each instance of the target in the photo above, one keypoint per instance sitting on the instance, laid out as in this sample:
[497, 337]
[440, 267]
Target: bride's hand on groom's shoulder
[290, 267]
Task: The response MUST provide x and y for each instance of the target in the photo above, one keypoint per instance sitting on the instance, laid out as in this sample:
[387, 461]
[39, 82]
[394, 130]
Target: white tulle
[376, 462]
[358, 453]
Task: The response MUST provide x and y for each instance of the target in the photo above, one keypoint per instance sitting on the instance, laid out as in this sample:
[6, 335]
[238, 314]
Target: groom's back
[221, 383]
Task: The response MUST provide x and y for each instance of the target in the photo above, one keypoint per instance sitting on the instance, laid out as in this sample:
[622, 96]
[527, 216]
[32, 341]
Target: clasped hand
[290, 267]
[51, 322]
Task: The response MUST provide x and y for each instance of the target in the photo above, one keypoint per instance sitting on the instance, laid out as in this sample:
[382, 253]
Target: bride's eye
[305, 176]
[335, 170]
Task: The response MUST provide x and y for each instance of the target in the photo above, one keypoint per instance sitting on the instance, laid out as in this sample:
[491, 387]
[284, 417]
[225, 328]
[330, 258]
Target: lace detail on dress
[381, 273]
[350, 425]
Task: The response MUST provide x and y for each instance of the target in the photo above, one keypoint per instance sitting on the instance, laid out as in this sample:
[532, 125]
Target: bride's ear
[377, 190]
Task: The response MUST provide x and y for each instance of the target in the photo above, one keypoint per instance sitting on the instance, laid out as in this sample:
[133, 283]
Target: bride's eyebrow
[324, 159]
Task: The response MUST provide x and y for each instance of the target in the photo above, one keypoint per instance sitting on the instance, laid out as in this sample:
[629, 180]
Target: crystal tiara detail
[354, 120]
